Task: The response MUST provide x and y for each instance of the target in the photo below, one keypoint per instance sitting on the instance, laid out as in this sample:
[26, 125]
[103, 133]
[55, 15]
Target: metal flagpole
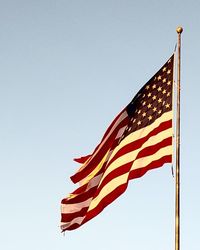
[179, 30]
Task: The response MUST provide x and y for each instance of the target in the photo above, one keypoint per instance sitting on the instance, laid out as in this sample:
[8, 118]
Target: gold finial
[179, 30]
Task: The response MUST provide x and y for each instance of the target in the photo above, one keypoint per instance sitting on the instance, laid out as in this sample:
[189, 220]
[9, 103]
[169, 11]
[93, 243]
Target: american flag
[139, 139]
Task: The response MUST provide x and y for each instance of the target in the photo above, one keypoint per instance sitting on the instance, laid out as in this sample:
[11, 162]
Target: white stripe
[94, 181]
[73, 208]
[65, 225]
[122, 179]
[142, 162]
[121, 131]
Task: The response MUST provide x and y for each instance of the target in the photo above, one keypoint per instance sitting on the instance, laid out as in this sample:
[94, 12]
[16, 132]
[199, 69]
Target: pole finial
[179, 30]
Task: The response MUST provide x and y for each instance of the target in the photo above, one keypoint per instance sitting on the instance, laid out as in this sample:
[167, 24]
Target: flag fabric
[138, 140]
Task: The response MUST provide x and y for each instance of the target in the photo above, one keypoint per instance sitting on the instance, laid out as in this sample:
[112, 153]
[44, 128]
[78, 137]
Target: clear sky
[66, 69]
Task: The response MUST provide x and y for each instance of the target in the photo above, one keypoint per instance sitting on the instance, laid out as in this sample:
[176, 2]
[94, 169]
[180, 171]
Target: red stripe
[81, 197]
[136, 173]
[70, 216]
[150, 150]
[82, 159]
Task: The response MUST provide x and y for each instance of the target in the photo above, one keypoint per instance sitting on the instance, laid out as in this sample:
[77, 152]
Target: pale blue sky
[67, 68]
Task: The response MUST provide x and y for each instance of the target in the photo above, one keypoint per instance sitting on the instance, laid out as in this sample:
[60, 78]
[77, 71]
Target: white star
[169, 83]
[147, 87]
[167, 105]
[159, 89]
[159, 77]
[143, 103]
[154, 97]
[154, 86]
[154, 109]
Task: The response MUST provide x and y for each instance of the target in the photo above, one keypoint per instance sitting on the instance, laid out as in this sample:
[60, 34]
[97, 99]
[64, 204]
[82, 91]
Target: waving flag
[139, 139]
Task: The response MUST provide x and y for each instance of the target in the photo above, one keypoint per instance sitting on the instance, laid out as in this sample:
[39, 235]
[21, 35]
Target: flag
[139, 139]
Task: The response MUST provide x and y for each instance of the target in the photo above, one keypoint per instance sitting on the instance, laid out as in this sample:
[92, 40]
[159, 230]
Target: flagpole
[179, 30]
